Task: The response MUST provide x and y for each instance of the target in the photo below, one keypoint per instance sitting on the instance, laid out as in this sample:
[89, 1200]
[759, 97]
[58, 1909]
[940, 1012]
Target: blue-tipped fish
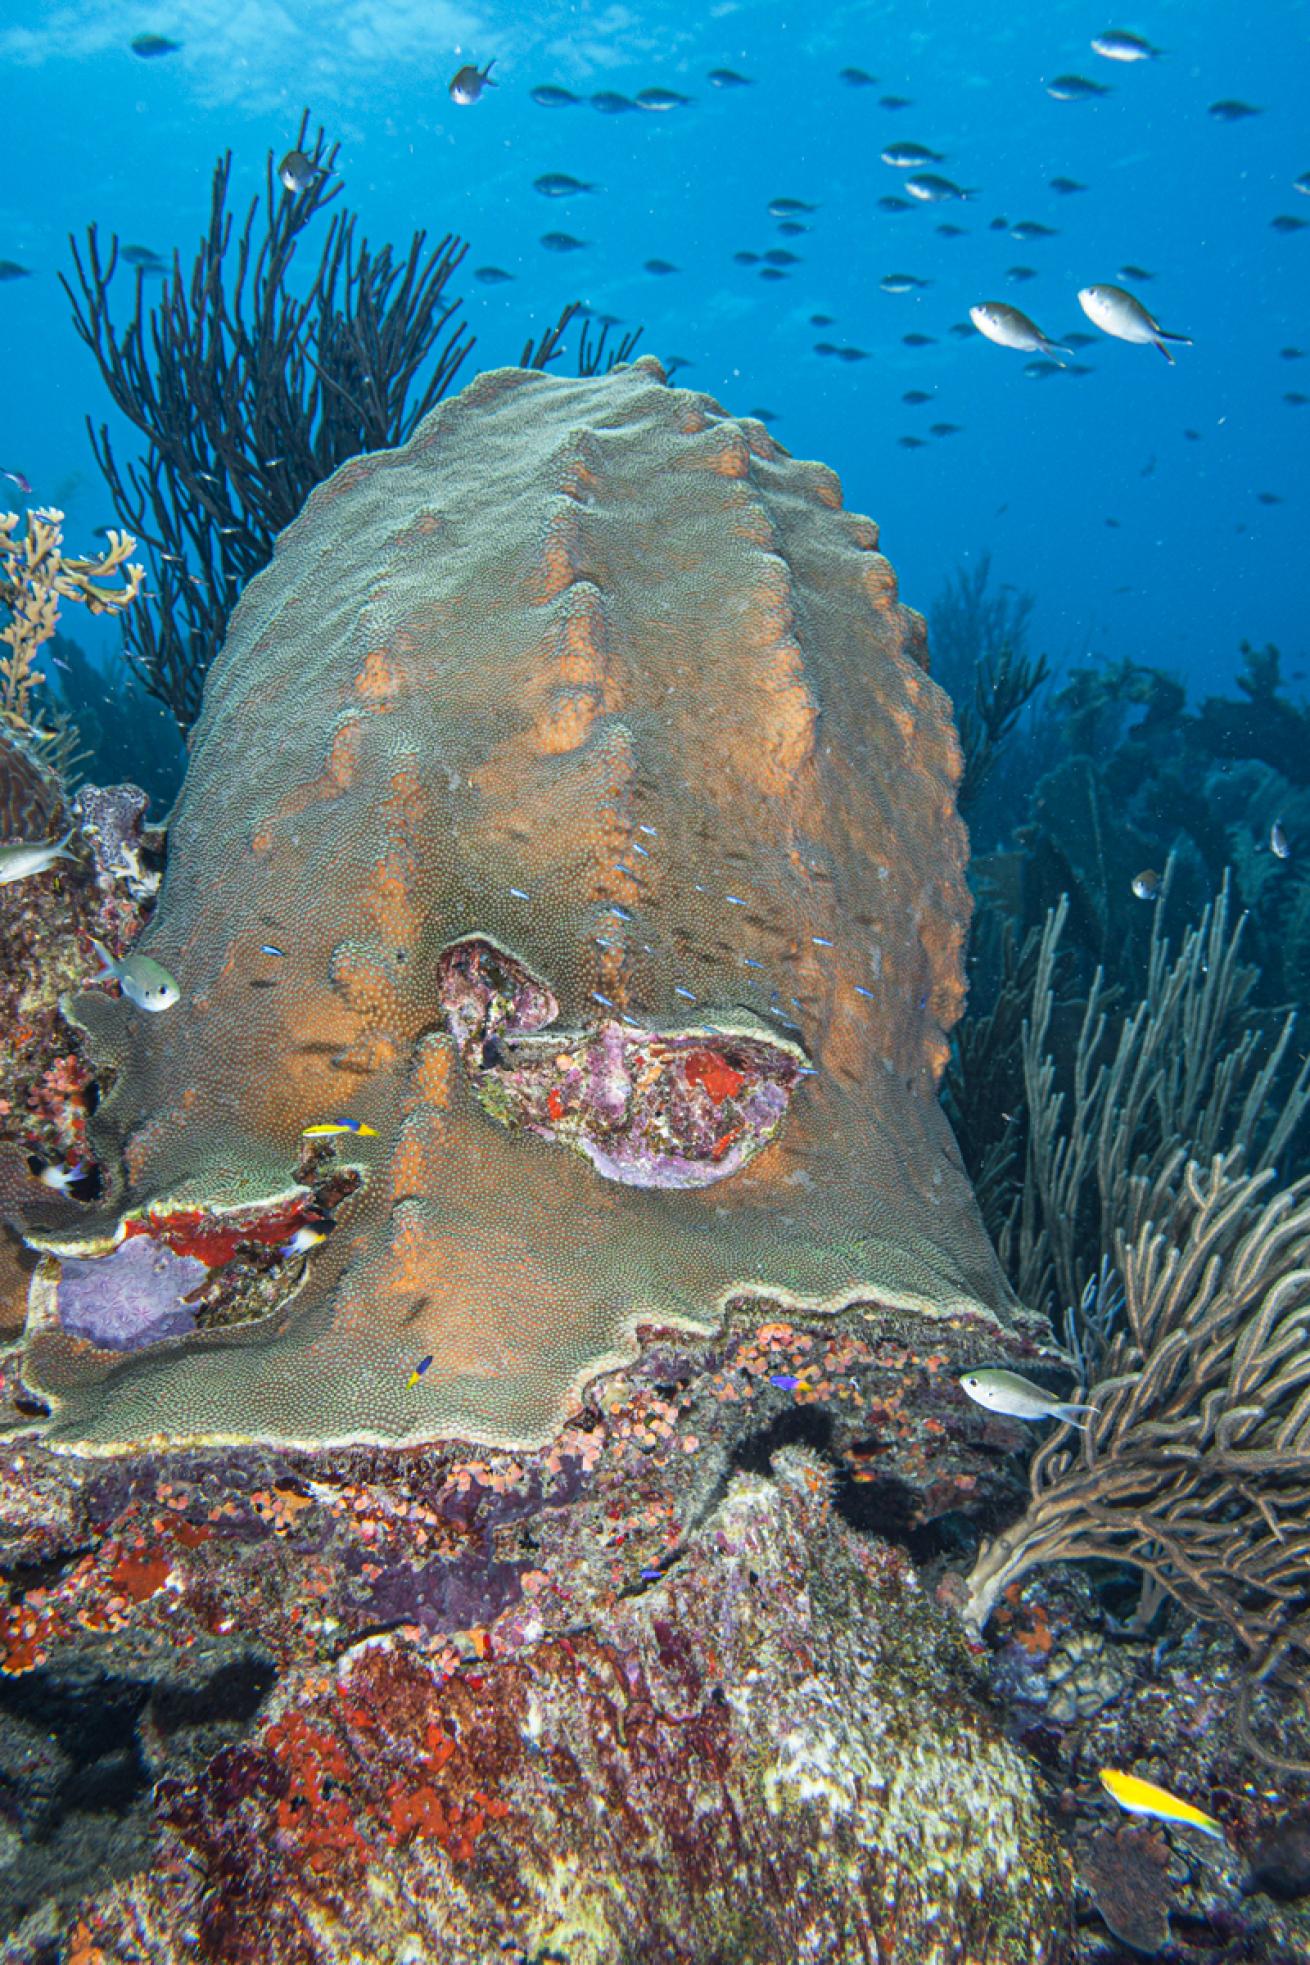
[331, 1128]
[418, 1371]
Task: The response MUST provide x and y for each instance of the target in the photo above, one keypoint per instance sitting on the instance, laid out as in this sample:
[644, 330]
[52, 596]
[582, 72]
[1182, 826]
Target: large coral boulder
[570, 804]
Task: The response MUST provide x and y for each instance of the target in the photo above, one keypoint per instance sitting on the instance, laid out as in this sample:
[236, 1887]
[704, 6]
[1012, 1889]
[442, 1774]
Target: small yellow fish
[330, 1128]
[1144, 1798]
[418, 1372]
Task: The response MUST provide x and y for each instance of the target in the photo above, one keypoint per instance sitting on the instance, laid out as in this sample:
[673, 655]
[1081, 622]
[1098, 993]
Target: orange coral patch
[139, 1577]
[707, 1068]
[377, 682]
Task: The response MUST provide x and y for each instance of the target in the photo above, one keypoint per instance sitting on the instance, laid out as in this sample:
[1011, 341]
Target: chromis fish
[1019, 1398]
[1146, 884]
[142, 980]
[418, 1371]
[19, 478]
[1008, 327]
[661, 99]
[559, 184]
[910, 156]
[1119, 313]
[330, 1128]
[1075, 88]
[26, 857]
[1279, 843]
[297, 172]
[1118, 45]
[930, 189]
[150, 47]
[467, 83]
[1144, 1798]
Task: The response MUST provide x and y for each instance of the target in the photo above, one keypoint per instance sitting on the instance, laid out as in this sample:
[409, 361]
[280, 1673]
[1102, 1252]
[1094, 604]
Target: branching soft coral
[1195, 1466]
[35, 575]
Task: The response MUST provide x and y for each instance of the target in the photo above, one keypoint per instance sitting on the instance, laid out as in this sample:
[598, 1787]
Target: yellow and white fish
[1144, 1798]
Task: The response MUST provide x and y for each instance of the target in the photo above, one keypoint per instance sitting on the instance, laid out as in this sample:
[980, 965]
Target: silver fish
[930, 189]
[903, 283]
[1119, 313]
[1279, 843]
[909, 156]
[1075, 88]
[143, 981]
[467, 84]
[1008, 327]
[1117, 45]
[1019, 1398]
[26, 857]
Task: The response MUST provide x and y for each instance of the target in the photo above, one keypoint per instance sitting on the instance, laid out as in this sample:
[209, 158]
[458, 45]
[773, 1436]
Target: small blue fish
[270, 948]
[786, 1381]
[418, 1371]
[651, 1575]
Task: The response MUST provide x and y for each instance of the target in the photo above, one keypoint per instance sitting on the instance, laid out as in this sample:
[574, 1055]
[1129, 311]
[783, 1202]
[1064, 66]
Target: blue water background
[1197, 561]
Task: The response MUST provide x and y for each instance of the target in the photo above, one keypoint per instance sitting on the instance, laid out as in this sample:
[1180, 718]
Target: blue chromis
[418, 1371]
[1019, 1398]
[1144, 1798]
[143, 981]
[331, 1128]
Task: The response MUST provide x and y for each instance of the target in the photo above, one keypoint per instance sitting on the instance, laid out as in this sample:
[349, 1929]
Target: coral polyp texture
[585, 770]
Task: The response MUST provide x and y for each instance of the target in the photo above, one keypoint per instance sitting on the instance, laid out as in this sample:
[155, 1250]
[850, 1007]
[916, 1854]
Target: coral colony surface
[534, 1524]
[581, 763]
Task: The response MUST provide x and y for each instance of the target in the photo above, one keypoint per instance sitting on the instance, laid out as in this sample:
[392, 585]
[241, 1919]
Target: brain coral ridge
[585, 765]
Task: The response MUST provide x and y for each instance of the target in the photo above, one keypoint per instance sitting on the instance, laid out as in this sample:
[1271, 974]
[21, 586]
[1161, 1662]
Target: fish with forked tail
[1119, 313]
[1019, 1398]
[1009, 327]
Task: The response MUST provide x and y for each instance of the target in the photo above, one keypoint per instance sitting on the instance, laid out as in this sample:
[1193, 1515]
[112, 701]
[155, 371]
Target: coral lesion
[677, 1108]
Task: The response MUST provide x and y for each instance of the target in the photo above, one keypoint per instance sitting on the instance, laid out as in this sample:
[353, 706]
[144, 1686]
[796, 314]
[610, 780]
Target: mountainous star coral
[582, 764]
